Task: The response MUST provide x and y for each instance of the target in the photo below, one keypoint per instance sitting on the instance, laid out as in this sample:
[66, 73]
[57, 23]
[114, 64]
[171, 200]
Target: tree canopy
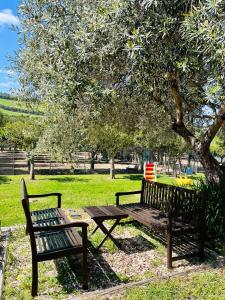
[135, 57]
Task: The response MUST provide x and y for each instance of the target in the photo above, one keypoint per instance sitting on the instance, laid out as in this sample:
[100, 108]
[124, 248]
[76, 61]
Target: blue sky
[8, 43]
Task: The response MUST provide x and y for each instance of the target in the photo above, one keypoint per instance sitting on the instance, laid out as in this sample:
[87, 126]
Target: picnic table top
[105, 212]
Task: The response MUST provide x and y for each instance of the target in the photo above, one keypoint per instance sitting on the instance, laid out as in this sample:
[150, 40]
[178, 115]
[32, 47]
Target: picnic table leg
[107, 233]
[96, 228]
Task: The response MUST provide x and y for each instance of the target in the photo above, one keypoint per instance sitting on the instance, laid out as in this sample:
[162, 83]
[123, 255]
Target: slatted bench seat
[173, 210]
[53, 235]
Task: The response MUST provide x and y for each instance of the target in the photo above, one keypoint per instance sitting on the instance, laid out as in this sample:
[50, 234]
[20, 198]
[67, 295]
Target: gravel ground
[141, 257]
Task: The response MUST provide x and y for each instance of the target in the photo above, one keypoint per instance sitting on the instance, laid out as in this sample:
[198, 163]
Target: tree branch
[181, 129]
[204, 117]
[178, 124]
[215, 126]
[178, 100]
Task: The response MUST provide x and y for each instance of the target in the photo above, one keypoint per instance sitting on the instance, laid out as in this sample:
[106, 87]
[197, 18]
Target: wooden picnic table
[102, 213]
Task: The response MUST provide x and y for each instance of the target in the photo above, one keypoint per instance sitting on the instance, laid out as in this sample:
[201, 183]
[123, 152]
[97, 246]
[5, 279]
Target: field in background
[16, 108]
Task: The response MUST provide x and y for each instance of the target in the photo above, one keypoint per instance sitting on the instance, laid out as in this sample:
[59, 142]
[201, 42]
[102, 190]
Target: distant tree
[24, 134]
[110, 139]
[61, 138]
[5, 96]
[2, 119]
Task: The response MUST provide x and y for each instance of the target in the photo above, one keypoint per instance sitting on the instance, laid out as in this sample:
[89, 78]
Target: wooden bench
[174, 210]
[53, 235]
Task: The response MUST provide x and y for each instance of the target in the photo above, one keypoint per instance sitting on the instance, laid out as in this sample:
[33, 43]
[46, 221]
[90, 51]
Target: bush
[215, 210]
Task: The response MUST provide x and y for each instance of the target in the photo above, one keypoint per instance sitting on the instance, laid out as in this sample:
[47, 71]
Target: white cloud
[8, 84]
[9, 72]
[7, 17]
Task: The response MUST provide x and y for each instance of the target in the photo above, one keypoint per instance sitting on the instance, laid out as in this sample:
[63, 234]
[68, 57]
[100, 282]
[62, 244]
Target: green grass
[203, 285]
[60, 280]
[12, 113]
[52, 282]
[15, 104]
[77, 191]
[12, 103]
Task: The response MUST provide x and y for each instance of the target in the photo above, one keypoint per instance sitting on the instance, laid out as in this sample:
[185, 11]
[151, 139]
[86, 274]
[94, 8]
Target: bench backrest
[26, 207]
[24, 191]
[166, 197]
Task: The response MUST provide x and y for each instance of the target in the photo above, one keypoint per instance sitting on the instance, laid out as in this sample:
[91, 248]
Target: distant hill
[6, 96]
[16, 108]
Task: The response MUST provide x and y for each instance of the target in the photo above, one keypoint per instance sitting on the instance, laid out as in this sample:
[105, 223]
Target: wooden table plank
[105, 212]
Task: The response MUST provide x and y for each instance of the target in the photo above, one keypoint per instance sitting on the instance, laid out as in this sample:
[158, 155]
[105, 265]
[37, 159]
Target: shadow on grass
[101, 275]
[69, 179]
[134, 177]
[4, 179]
[182, 245]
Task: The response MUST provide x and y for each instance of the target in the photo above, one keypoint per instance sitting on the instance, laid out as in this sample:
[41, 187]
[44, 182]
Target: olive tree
[25, 133]
[166, 57]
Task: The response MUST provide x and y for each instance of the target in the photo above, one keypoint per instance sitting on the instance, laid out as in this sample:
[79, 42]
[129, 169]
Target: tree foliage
[163, 57]
[23, 133]
[218, 146]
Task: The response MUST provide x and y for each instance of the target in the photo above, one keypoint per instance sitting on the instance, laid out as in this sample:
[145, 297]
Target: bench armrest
[60, 226]
[125, 193]
[59, 195]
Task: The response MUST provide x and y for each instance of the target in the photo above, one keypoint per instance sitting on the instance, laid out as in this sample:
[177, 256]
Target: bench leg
[84, 259]
[201, 245]
[34, 278]
[27, 231]
[169, 243]
[85, 270]
[169, 250]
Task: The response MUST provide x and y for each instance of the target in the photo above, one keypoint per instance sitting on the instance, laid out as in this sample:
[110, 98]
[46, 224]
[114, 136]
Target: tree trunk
[189, 160]
[112, 169]
[93, 154]
[135, 157]
[180, 165]
[32, 175]
[140, 161]
[174, 165]
[213, 170]
[28, 165]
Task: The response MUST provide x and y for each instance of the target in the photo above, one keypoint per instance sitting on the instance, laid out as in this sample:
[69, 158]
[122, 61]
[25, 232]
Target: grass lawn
[208, 285]
[141, 257]
[77, 191]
